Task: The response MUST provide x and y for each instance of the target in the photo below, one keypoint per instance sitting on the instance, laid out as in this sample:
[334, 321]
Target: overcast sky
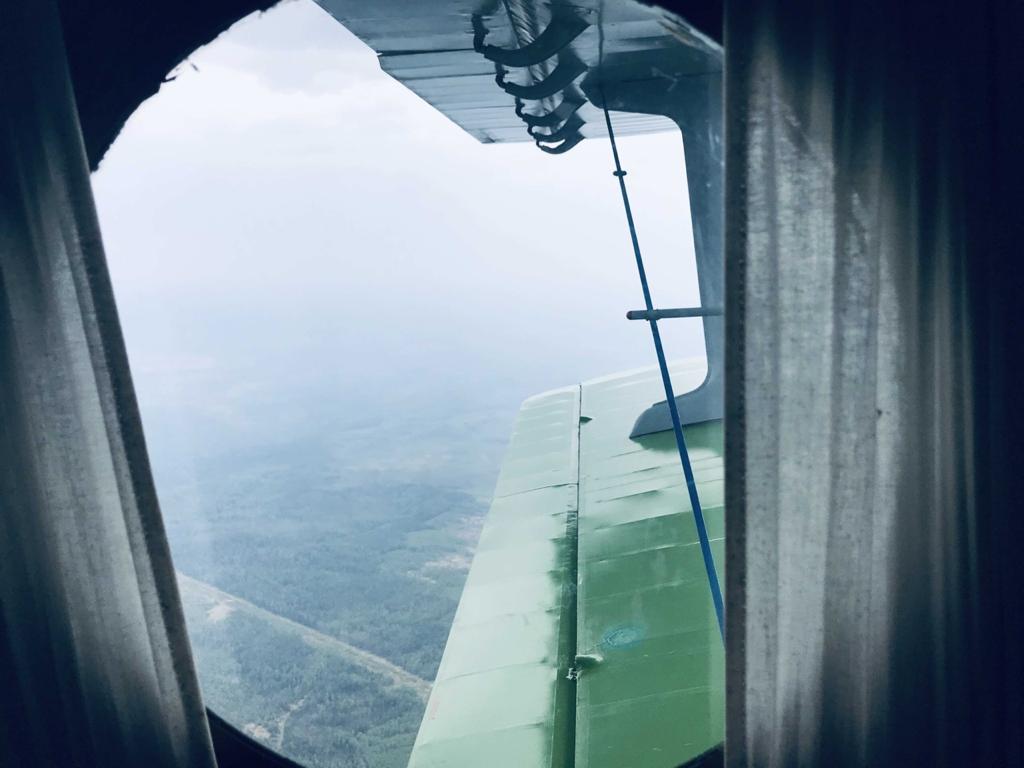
[284, 222]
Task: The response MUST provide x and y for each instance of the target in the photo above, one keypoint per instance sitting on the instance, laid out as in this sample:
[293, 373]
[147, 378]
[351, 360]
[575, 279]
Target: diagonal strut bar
[684, 456]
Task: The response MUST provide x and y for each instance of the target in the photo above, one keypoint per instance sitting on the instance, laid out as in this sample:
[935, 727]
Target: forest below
[320, 572]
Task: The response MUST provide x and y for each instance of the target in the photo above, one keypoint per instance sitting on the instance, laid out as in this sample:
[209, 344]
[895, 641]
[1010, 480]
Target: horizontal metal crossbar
[660, 314]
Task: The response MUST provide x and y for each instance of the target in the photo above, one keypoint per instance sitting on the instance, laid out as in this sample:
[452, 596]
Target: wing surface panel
[429, 48]
[656, 696]
[588, 563]
[501, 697]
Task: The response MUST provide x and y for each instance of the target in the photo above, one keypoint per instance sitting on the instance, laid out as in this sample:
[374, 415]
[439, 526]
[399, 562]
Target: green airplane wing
[586, 633]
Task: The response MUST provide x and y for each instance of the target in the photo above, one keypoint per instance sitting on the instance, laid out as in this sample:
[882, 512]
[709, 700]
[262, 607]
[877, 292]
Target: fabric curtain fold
[95, 664]
[874, 609]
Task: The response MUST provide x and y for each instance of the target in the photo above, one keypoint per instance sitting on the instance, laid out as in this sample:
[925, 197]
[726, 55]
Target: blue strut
[684, 456]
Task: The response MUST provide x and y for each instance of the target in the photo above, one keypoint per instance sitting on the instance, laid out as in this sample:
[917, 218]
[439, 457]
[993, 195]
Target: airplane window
[335, 301]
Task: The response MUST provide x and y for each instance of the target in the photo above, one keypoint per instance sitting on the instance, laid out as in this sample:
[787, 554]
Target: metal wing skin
[586, 634]
[495, 68]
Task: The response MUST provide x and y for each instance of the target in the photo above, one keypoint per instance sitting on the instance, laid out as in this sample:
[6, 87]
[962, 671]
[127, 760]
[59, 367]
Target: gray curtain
[95, 665]
[873, 325]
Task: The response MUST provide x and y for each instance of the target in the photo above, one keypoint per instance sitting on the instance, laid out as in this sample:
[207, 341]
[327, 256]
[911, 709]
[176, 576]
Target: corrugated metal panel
[656, 697]
[589, 550]
[501, 696]
[427, 45]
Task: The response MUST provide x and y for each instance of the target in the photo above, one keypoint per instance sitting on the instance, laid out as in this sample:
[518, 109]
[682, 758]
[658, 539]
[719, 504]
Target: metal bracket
[662, 314]
[565, 27]
[561, 77]
[570, 126]
[560, 149]
[565, 109]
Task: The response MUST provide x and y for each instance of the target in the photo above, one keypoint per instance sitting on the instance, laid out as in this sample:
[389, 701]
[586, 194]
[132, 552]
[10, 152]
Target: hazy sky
[286, 226]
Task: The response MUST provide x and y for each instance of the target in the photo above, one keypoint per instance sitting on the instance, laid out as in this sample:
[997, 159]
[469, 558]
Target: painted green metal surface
[586, 635]
[501, 697]
[655, 697]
